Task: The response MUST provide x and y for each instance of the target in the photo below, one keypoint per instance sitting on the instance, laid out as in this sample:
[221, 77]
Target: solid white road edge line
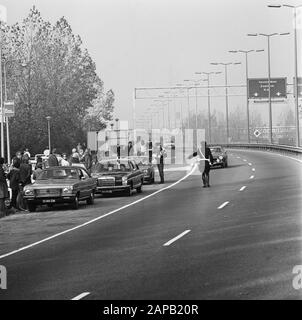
[80, 296]
[98, 218]
[223, 205]
[176, 238]
[242, 188]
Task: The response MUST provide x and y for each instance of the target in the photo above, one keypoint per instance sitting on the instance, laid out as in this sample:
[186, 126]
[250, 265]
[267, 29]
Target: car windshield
[111, 165]
[67, 173]
[216, 149]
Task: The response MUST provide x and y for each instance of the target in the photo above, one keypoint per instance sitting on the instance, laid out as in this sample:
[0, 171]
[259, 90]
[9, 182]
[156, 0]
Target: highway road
[239, 239]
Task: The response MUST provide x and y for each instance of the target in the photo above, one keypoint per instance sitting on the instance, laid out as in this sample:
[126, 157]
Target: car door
[84, 184]
[136, 175]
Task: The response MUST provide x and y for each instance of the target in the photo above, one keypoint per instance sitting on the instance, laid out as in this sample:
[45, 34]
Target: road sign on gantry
[259, 88]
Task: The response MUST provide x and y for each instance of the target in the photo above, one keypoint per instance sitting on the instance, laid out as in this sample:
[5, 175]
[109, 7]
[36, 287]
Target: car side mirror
[83, 178]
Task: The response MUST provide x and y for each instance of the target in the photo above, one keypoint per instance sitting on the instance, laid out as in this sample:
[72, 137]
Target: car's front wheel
[31, 207]
[90, 200]
[75, 204]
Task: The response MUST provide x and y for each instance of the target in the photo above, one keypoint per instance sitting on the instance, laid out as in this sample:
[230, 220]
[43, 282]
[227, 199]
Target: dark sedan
[220, 157]
[117, 175]
[146, 167]
[57, 185]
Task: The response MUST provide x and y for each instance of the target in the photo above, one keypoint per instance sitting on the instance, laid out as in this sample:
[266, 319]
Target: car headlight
[29, 192]
[124, 180]
[68, 189]
[220, 157]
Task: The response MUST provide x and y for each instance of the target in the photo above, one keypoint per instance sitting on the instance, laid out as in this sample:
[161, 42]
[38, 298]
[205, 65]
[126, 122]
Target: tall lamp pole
[296, 89]
[226, 92]
[48, 126]
[246, 52]
[268, 36]
[208, 74]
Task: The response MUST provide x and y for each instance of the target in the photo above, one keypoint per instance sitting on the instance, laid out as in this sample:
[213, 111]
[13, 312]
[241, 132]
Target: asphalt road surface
[239, 239]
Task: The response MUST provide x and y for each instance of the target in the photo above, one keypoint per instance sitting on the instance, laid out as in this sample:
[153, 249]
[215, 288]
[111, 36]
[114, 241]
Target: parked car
[60, 185]
[146, 167]
[220, 156]
[117, 175]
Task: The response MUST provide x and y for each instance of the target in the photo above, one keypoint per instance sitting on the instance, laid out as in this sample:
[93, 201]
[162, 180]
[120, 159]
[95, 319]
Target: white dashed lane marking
[253, 169]
[223, 205]
[176, 238]
[242, 188]
[252, 177]
[81, 296]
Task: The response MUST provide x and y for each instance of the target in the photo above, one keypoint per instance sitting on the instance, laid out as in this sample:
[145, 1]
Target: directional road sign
[9, 109]
[259, 88]
[257, 133]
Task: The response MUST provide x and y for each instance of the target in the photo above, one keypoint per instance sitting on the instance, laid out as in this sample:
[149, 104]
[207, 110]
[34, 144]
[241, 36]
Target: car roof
[64, 167]
[115, 159]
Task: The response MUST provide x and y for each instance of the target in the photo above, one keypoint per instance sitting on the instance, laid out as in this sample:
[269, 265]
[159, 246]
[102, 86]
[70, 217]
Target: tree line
[47, 72]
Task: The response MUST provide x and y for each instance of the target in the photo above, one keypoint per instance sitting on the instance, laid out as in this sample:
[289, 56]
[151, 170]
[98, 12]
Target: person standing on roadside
[38, 170]
[46, 152]
[205, 160]
[64, 161]
[75, 158]
[25, 171]
[52, 159]
[26, 152]
[14, 181]
[88, 159]
[159, 157]
[3, 189]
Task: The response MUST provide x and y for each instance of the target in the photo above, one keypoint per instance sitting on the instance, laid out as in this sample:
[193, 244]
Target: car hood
[110, 174]
[144, 166]
[53, 183]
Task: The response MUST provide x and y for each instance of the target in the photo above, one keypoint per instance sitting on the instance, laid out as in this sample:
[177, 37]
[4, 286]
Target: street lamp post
[208, 74]
[296, 89]
[196, 102]
[118, 138]
[246, 52]
[268, 36]
[226, 92]
[48, 126]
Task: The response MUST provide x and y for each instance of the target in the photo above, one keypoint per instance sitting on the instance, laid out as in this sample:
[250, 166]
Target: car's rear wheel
[152, 179]
[75, 204]
[140, 188]
[129, 191]
[31, 207]
[90, 200]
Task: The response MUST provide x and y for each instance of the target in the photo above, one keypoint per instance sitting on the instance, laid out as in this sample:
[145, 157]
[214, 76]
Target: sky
[137, 43]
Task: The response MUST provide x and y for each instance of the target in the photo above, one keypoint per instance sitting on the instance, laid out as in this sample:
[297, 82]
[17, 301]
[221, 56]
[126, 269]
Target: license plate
[49, 201]
[107, 191]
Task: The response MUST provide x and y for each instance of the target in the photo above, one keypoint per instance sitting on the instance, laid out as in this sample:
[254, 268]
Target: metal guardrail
[266, 147]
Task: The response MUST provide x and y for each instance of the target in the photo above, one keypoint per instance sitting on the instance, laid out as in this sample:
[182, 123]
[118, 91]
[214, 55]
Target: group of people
[79, 155]
[18, 174]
